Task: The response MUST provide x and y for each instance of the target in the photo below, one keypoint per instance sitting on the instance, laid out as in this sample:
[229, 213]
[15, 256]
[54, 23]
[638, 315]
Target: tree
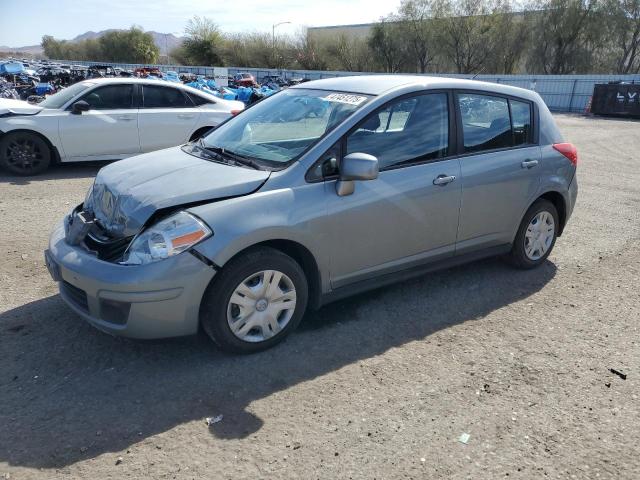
[563, 42]
[623, 26]
[204, 42]
[309, 54]
[350, 53]
[508, 35]
[129, 46]
[464, 29]
[418, 33]
[387, 46]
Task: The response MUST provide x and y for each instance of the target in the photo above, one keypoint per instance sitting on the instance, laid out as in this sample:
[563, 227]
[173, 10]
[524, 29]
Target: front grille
[76, 295]
[109, 250]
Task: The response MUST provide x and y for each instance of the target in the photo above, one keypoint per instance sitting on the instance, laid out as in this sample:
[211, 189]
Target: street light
[273, 39]
[273, 33]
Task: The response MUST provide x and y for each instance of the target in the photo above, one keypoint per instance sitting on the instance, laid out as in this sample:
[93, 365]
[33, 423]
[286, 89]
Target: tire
[523, 254]
[24, 153]
[245, 273]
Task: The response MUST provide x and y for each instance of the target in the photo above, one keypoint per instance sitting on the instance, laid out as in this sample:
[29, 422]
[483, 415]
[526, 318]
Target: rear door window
[486, 123]
[156, 96]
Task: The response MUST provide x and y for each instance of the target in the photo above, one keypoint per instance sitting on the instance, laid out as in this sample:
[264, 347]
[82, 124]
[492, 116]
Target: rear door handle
[185, 115]
[529, 163]
[125, 118]
[443, 179]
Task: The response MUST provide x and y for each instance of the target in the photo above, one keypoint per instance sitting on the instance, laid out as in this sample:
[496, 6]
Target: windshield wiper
[240, 159]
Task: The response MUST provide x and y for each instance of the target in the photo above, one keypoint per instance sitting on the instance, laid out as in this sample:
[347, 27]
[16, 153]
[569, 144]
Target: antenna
[478, 73]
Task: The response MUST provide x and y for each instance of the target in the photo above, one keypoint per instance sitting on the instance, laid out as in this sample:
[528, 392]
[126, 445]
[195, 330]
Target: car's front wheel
[255, 301]
[536, 235]
[24, 153]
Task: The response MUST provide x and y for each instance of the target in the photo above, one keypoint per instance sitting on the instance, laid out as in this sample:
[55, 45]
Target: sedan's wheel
[539, 235]
[536, 235]
[261, 306]
[255, 301]
[24, 153]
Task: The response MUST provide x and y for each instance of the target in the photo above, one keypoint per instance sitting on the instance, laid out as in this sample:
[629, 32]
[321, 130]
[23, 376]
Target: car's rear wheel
[536, 235]
[24, 153]
[255, 301]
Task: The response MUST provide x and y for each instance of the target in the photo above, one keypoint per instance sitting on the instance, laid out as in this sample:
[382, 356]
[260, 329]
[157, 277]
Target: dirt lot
[378, 386]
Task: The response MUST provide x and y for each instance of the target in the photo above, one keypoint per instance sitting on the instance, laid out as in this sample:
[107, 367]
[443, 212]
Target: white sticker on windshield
[345, 98]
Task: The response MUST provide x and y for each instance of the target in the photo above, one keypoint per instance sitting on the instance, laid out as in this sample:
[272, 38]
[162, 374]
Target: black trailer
[616, 98]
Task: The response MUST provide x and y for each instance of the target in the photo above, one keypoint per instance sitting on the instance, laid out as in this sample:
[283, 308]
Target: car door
[499, 167]
[409, 214]
[109, 130]
[167, 117]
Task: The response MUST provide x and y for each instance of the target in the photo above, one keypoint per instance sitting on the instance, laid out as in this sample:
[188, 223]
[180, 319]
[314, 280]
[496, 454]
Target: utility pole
[273, 38]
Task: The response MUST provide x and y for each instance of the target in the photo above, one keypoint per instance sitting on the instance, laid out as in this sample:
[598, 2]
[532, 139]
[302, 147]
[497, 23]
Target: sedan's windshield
[282, 127]
[57, 100]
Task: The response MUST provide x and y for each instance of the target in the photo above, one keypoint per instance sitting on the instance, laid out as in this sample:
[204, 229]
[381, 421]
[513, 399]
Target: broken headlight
[167, 238]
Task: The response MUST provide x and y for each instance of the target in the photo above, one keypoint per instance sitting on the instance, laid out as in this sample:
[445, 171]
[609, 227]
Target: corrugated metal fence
[562, 93]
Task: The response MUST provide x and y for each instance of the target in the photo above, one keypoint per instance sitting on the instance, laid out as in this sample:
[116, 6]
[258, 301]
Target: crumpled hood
[126, 193]
[17, 107]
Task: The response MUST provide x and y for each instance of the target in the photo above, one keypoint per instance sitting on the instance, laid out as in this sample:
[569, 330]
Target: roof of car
[379, 84]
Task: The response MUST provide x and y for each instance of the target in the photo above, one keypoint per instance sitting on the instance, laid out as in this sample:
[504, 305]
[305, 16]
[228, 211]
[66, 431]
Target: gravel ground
[378, 386]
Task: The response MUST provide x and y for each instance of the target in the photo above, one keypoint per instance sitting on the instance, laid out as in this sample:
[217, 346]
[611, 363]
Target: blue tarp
[11, 68]
[171, 77]
[44, 88]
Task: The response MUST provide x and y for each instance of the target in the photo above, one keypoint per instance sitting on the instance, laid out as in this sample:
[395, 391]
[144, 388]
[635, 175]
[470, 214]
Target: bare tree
[624, 32]
[387, 45]
[508, 38]
[351, 54]
[561, 36]
[464, 30]
[308, 52]
[418, 31]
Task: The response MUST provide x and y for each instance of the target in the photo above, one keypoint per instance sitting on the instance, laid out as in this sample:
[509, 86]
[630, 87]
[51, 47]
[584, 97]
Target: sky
[24, 22]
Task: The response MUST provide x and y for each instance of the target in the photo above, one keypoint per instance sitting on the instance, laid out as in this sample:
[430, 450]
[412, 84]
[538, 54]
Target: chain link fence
[562, 93]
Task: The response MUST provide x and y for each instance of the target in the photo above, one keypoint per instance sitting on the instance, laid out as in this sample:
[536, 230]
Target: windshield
[280, 128]
[57, 100]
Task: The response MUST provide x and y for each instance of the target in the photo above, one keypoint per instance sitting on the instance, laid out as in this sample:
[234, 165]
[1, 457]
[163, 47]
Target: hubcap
[539, 236]
[23, 154]
[261, 306]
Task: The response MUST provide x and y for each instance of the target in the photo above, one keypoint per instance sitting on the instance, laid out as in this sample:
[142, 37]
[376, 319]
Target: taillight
[568, 150]
[235, 112]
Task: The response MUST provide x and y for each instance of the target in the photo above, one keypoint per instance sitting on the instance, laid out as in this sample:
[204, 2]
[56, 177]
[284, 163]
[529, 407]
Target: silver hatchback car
[320, 191]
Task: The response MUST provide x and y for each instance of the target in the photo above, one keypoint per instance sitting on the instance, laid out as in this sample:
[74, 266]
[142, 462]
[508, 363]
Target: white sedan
[105, 119]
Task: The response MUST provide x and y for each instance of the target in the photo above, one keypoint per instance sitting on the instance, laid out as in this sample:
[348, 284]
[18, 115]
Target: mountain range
[164, 41]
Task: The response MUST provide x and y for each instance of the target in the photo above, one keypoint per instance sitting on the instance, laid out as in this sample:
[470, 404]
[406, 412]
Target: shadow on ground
[62, 382]
[56, 172]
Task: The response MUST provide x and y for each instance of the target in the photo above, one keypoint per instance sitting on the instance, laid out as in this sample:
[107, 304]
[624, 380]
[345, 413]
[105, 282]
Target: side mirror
[355, 166]
[79, 107]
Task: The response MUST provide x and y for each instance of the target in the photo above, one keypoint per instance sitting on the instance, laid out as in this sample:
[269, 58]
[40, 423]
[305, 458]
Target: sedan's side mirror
[355, 166]
[79, 107]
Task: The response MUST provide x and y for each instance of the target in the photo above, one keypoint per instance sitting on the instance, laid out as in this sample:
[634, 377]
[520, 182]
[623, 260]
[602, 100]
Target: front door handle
[443, 179]
[529, 163]
[125, 118]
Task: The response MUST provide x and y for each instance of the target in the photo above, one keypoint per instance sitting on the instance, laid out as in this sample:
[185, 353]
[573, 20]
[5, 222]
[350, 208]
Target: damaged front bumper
[161, 299]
